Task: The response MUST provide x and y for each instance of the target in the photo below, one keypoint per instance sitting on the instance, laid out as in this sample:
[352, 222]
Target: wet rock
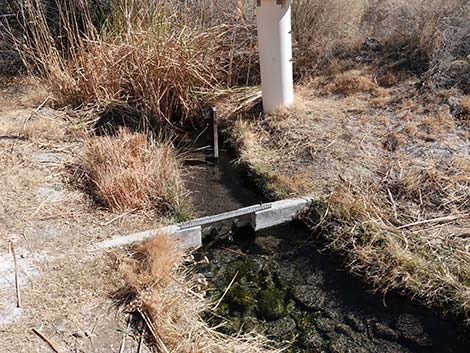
[256, 263]
[315, 278]
[340, 344]
[384, 331]
[313, 340]
[271, 304]
[267, 245]
[355, 323]
[345, 330]
[280, 327]
[303, 319]
[288, 275]
[412, 329]
[326, 326]
[310, 296]
[331, 310]
[242, 296]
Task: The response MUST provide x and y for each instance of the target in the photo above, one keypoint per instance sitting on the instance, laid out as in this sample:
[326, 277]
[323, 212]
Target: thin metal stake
[15, 268]
[215, 129]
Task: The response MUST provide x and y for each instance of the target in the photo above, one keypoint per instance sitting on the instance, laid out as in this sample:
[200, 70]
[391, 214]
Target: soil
[65, 291]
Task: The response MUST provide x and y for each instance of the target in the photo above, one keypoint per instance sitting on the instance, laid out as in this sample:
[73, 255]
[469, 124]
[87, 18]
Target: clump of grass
[465, 103]
[324, 29]
[260, 162]
[141, 55]
[353, 222]
[351, 82]
[162, 293]
[127, 171]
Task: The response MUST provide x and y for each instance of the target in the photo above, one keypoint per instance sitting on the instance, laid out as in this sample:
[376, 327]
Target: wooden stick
[38, 208]
[15, 266]
[141, 340]
[123, 342]
[48, 341]
[117, 217]
[158, 340]
[226, 290]
[439, 219]
[215, 130]
[238, 252]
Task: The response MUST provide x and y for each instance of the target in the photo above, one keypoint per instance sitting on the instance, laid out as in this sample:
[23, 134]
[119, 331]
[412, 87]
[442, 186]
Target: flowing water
[283, 286]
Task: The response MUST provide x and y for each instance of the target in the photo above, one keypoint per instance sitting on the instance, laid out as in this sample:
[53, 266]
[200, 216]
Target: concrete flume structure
[188, 235]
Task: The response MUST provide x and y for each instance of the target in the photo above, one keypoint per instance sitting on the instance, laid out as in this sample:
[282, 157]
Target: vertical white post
[275, 53]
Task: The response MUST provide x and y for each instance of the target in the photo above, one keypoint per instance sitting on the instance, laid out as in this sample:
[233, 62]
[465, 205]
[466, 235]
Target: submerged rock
[355, 323]
[310, 296]
[271, 304]
[411, 329]
[384, 331]
[281, 327]
[341, 344]
[283, 290]
[267, 245]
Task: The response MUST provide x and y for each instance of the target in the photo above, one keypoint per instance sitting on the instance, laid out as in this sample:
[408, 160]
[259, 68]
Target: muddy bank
[286, 289]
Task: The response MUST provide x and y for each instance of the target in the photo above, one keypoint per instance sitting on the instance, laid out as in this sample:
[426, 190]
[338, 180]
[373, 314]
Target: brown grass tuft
[428, 266]
[141, 56]
[127, 171]
[349, 83]
[162, 293]
[465, 103]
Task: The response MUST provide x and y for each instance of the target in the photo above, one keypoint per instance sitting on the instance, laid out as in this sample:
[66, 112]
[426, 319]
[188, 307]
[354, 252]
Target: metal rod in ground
[215, 129]
[15, 268]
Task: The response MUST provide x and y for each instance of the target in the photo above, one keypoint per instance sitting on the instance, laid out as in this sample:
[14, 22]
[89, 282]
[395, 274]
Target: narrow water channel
[284, 287]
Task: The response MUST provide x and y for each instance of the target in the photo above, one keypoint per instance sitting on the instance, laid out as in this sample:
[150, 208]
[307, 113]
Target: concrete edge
[186, 238]
[279, 212]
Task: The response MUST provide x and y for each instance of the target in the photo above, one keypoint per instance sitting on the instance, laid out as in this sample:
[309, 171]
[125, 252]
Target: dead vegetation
[142, 57]
[427, 260]
[351, 82]
[130, 172]
[163, 294]
[391, 169]
[391, 182]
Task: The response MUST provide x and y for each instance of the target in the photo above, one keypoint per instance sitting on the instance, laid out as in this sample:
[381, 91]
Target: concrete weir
[188, 235]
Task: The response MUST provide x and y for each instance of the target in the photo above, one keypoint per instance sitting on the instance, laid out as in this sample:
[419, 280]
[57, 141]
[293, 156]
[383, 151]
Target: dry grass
[260, 161]
[465, 103]
[351, 82]
[127, 171]
[211, 42]
[392, 185]
[162, 293]
[142, 56]
[323, 29]
[37, 127]
[425, 261]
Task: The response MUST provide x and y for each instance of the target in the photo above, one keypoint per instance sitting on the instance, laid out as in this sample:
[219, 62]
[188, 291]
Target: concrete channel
[188, 235]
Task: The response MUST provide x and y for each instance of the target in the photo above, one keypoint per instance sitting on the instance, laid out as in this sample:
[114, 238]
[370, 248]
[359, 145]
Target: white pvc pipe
[275, 53]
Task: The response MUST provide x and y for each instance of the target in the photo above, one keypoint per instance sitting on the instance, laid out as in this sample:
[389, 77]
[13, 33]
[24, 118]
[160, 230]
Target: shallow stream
[284, 287]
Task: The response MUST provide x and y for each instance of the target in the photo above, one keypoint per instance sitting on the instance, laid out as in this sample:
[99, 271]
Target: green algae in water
[271, 303]
[242, 296]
